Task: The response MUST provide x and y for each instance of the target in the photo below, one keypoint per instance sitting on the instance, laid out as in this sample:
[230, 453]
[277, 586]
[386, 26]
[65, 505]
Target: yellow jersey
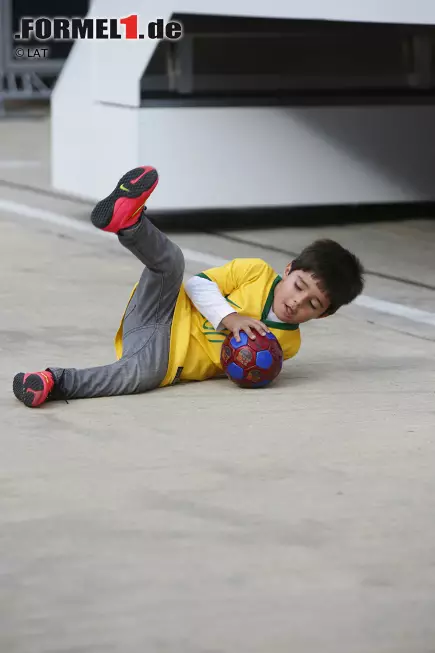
[248, 285]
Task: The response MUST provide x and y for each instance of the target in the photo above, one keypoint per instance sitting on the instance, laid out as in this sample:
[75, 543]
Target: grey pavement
[202, 518]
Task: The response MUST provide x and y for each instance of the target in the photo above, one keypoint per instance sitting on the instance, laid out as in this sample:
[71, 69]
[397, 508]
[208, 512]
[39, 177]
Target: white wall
[72, 119]
[206, 156]
[282, 156]
[247, 157]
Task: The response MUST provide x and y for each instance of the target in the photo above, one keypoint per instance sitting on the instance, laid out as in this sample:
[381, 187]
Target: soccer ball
[251, 363]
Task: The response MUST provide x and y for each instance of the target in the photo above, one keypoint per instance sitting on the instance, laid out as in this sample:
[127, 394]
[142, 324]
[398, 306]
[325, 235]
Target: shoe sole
[33, 382]
[102, 215]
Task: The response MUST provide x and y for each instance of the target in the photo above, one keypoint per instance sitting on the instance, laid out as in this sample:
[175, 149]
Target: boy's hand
[236, 323]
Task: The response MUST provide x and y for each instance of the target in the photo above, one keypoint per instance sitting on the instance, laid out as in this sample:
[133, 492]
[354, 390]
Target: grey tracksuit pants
[147, 323]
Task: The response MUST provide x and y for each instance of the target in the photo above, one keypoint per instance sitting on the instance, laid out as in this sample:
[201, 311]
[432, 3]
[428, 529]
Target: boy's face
[299, 297]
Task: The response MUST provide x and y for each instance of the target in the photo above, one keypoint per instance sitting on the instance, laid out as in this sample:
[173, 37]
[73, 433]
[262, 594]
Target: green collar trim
[268, 305]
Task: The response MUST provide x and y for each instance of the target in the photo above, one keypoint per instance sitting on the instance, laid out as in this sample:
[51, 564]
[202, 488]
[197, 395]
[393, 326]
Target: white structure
[217, 157]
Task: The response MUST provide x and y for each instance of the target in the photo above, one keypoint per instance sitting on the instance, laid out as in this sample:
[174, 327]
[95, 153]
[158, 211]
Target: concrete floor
[201, 518]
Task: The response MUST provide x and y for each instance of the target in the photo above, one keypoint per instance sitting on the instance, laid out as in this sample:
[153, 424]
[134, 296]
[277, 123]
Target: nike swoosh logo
[122, 187]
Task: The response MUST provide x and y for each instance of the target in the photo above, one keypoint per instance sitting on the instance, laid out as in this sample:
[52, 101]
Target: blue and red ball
[252, 363]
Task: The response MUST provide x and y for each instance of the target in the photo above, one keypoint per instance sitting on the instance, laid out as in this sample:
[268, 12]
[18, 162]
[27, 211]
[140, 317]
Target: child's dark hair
[339, 272]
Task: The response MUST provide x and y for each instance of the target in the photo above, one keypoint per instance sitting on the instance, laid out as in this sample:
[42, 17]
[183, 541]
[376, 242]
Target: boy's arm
[206, 294]
[208, 299]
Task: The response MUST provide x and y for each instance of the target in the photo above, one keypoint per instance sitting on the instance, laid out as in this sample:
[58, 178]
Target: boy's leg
[147, 324]
[141, 371]
[154, 299]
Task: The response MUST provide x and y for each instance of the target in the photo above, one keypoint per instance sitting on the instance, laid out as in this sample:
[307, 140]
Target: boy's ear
[288, 269]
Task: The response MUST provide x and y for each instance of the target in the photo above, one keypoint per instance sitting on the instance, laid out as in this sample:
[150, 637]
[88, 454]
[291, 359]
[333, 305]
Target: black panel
[234, 58]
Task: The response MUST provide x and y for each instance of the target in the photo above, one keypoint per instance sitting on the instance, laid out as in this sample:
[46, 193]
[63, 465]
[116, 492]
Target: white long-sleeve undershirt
[210, 302]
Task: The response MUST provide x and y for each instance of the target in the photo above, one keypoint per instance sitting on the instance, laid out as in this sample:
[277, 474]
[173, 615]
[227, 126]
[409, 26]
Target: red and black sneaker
[33, 389]
[122, 208]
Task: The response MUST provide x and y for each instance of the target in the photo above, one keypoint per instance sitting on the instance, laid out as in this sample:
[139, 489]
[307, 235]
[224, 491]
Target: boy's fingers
[261, 328]
[250, 333]
[236, 335]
